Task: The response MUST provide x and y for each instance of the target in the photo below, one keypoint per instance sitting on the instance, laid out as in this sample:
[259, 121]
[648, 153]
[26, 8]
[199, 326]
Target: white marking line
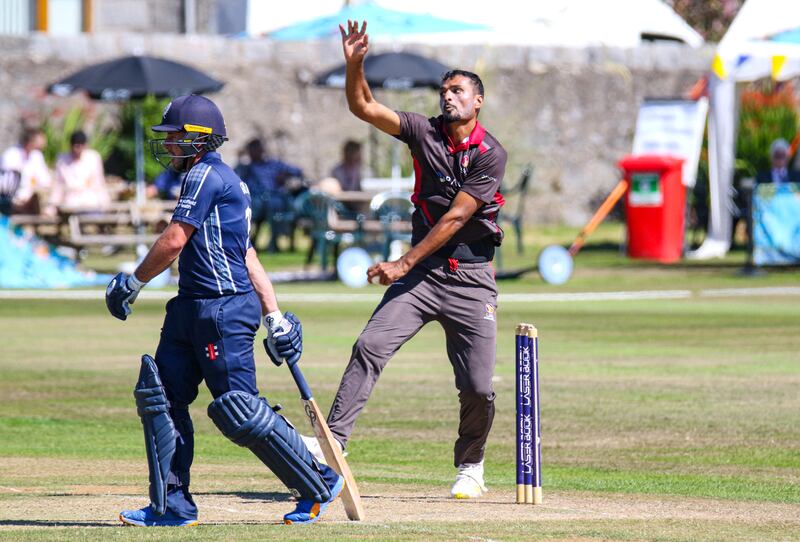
[755, 292]
[595, 296]
[15, 490]
[374, 298]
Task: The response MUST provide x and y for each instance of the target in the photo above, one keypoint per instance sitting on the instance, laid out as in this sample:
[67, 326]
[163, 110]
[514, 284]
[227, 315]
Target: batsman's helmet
[200, 124]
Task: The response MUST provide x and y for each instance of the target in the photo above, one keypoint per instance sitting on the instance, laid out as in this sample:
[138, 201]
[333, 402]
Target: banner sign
[673, 128]
[776, 224]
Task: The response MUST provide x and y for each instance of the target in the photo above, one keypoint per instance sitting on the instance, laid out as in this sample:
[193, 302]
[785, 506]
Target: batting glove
[121, 293]
[284, 338]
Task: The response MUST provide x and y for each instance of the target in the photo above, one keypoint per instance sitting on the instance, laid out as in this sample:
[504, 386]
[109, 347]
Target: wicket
[529, 443]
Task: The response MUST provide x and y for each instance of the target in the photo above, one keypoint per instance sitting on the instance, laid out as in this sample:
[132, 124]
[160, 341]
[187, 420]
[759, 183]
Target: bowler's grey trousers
[463, 299]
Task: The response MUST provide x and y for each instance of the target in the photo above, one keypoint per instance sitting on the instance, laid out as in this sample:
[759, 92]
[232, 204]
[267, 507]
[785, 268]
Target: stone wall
[570, 113]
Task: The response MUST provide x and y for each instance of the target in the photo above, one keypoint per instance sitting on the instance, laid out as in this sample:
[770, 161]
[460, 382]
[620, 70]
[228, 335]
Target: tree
[711, 18]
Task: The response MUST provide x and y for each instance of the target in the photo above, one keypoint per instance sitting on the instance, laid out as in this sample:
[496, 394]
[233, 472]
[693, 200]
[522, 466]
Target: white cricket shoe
[316, 450]
[469, 481]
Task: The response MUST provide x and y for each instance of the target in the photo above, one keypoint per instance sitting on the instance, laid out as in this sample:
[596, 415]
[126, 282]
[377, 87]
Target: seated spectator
[167, 185]
[80, 183]
[266, 178]
[348, 172]
[24, 174]
[779, 171]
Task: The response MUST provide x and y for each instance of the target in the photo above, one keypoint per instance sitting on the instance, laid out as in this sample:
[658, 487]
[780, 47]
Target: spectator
[779, 171]
[80, 183]
[24, 174]
[167, 185]
[266, 178]
[348, 172]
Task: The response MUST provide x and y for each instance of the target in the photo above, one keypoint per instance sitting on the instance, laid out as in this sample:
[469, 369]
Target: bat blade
[335, 459]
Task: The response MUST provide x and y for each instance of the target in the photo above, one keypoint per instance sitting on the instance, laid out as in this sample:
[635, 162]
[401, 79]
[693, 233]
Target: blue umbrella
[381, 22]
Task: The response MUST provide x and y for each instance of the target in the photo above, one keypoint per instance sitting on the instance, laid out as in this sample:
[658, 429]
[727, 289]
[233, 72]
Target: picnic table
[120, 224]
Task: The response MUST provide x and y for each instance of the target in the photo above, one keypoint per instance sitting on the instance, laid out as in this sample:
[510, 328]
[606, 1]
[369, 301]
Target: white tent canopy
[760, 43]
[560, 23]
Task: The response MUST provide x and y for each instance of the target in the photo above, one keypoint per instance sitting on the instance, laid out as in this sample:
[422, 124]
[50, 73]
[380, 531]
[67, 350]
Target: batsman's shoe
[308, 511]
[316, 450]
[147, 518]
[469, 482]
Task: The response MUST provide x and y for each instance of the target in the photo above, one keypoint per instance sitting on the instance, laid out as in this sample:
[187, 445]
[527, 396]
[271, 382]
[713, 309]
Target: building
[70, 17]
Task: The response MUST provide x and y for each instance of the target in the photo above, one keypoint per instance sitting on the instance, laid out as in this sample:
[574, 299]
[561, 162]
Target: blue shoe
[308, 511]
[147, 518]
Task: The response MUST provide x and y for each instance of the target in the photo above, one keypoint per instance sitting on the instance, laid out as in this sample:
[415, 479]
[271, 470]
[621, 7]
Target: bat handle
[300, 380]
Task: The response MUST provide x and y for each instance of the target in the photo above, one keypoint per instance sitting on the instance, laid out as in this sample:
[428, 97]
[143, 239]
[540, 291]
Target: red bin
[654, 206]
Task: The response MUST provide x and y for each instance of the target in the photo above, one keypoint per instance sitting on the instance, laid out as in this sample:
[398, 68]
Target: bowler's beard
[454, 114]
[451, 116]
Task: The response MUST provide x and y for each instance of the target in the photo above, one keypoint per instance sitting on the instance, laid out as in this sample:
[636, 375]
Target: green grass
[678, 531]
[665, 399]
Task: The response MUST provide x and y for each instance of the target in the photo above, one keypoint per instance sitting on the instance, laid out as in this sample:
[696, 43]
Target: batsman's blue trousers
[203, 339]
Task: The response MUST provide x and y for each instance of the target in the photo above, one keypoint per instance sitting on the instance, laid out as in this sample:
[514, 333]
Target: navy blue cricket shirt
[217, 203]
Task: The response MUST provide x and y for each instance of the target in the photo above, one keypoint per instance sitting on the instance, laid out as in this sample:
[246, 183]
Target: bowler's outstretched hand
[355, 42]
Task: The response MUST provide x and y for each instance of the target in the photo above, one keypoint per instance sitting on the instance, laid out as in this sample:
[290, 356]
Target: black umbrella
[395, 71]
[132, 78]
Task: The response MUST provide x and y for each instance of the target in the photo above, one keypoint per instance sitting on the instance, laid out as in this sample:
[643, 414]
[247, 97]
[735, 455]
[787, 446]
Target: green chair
[520, 190]
[328, 224]
[393, 210]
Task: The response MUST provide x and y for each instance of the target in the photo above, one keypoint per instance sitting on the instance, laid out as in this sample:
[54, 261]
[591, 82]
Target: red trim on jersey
[212, 355]
[417, 181]
[475, 139]
[424, 206]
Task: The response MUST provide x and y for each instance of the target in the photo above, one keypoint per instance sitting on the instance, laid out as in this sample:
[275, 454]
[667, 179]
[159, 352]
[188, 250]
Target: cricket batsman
[209, 330]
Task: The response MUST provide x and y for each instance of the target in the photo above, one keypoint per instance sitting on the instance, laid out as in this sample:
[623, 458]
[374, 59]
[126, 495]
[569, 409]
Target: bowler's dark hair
[476, 81]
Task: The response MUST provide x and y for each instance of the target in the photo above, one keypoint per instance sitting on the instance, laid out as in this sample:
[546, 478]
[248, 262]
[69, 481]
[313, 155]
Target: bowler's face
[458, 99]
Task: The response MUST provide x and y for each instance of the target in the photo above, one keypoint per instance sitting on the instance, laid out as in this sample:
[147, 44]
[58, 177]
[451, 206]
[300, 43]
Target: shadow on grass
[269, 496]
[55, 523]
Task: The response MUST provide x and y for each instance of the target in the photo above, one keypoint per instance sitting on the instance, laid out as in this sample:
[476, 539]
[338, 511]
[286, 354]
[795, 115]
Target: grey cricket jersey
[454, 287]
[442, 168]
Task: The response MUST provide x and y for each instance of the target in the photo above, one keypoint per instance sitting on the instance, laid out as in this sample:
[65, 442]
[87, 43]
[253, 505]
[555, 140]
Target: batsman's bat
[333, 455]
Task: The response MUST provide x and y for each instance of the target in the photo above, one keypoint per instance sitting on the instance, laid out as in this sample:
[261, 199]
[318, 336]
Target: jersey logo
[244, 188]
[489, 315]
[212, 352]
[186, 203]
[447, 179]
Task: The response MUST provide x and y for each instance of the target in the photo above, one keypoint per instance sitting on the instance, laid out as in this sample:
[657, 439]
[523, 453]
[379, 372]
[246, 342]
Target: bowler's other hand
[121, 292]
[284, 339]
[387, 272]
[355, 42]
